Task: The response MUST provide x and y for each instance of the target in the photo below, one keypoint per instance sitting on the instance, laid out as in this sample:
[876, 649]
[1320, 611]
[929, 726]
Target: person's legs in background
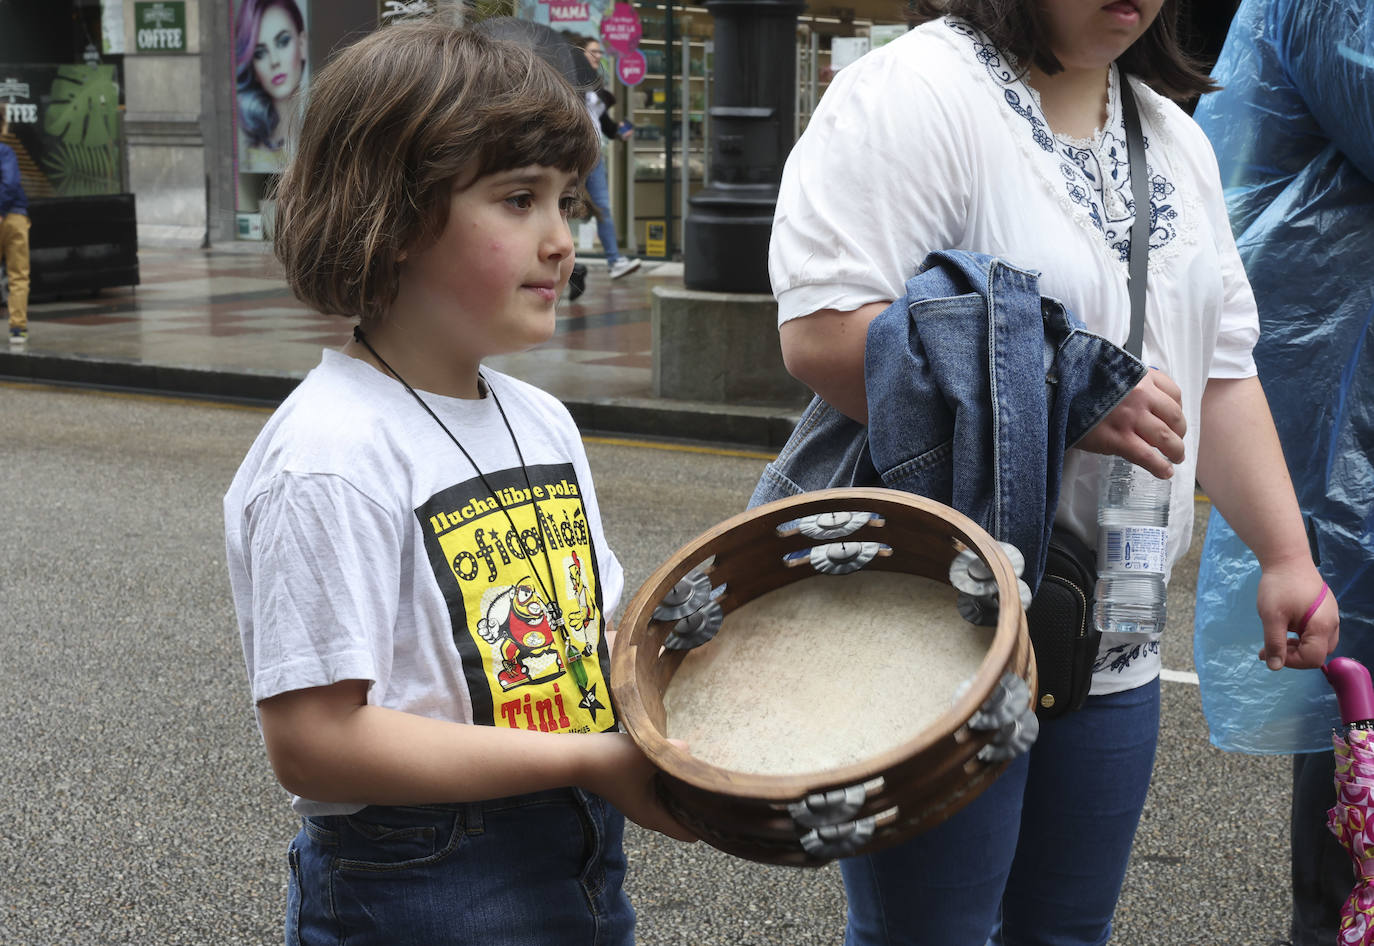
[1322, 873]
[577, 282]
[14, 250]
[600, 194]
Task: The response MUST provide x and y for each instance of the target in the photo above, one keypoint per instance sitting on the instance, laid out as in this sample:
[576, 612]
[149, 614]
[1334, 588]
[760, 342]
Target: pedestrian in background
[1293, 129]
[600, 101]
[998, 126]
[14, 238]
[414, 542]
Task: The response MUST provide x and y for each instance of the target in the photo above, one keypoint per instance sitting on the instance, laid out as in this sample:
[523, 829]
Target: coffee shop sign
[17, 113]
[161, 25]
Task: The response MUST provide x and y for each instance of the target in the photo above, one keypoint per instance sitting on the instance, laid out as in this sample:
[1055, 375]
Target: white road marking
[1178, 676]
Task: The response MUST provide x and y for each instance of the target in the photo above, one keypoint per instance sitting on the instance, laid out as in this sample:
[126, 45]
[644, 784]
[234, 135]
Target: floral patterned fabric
[1350, 821]
[1094, 173]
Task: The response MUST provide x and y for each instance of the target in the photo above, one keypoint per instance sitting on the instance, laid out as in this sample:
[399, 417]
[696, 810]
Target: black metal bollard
[753, 100]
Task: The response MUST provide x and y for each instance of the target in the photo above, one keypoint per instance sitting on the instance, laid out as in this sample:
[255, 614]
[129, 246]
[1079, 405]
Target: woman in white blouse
[997, 128]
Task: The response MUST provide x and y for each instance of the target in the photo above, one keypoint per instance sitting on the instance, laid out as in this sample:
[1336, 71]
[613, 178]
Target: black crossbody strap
[1139, 268]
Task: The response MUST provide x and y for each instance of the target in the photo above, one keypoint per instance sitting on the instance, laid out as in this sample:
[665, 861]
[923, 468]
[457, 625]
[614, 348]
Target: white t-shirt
[932, 143]
[595, 106]
[362, 545]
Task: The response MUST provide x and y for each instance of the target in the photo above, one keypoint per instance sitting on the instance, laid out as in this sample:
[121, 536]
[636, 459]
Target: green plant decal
[77, 171]
[84, 106]
[83, 114]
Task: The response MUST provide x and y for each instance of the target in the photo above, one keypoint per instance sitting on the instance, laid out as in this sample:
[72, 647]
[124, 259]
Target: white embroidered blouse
[932, 142]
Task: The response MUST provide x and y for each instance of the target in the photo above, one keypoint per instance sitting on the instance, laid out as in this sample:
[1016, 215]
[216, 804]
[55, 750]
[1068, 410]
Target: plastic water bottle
[1132, 548]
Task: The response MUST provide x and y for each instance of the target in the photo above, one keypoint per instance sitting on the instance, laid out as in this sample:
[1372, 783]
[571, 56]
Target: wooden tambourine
[831, 685]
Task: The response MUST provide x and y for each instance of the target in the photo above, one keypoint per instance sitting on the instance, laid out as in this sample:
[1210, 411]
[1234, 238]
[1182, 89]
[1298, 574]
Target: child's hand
[1147, 427]
[622, 775]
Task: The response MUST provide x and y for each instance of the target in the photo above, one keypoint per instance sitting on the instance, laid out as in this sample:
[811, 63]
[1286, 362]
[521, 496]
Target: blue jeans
[542, 868]
[600, 193]
[1038, 858]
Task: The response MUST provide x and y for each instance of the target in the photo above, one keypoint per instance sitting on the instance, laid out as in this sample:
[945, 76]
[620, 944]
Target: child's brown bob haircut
[393, 125]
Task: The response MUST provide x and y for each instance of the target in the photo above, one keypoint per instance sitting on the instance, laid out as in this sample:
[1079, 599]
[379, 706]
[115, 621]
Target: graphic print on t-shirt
[523, 671]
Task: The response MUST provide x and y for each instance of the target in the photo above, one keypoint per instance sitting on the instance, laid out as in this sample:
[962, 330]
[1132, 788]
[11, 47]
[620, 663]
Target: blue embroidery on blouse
[986, 53]
[1088, 175]
[1038, 129]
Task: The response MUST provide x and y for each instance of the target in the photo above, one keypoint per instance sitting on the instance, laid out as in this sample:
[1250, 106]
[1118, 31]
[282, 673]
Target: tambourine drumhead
[830, 714]
[824, 673]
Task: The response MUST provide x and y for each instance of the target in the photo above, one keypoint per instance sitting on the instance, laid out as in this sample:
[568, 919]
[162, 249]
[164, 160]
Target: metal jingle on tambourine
[830, 525]
[1007, 701]
[980, 610]
[1024, 591]
[842, 558]
[1013, 739]
[1018, 561]
[688, 596]
[696, 628]
[838, 840]
[973, 576]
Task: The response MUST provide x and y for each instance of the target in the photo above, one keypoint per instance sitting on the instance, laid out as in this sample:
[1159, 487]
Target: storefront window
[62, 96]
[669, 109]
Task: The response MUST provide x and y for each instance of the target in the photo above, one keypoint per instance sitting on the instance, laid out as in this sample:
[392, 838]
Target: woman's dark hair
[1016, 27]
[257, 113]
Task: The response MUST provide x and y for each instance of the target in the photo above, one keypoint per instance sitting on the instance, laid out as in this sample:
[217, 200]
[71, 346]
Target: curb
[760, 427]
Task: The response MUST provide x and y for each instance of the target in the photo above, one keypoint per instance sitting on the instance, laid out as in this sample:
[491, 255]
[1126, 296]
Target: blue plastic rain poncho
[1294, 135]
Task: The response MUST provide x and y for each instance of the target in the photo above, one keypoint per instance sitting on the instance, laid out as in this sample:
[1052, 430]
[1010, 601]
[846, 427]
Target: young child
[414, 544]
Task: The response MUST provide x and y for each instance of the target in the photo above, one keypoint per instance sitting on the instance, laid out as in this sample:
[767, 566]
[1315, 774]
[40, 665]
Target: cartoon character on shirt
[582, 616]
[517, 624]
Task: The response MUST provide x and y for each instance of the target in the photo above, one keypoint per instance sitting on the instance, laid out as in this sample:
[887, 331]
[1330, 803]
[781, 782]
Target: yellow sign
[656, 240]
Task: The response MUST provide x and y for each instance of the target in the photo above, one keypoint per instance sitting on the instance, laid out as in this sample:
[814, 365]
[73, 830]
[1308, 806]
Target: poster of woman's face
[270, 75]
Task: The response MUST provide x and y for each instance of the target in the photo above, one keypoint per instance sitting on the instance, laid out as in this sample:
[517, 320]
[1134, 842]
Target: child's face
[489, 284]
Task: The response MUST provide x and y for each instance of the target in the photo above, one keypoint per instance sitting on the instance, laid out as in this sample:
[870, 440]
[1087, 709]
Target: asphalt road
[136, 805]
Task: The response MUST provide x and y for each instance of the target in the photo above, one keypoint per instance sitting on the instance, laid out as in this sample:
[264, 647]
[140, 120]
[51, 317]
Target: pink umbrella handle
[1354, 692]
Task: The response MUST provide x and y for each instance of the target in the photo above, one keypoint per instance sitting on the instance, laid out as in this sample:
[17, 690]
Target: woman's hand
[624, 776]
[1240, 465]
[1286, 592]
[1147, 427]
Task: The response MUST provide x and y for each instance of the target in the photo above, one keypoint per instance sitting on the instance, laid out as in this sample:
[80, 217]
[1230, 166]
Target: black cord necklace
[555, 610]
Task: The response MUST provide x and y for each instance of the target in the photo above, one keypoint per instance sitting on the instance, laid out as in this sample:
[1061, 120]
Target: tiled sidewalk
[230, 309]
[222, 322]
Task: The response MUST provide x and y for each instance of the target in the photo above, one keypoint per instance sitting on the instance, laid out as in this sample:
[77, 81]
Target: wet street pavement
[136, 805]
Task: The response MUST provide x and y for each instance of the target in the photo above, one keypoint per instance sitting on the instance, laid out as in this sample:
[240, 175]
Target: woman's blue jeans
[600, 193]
[1038, 858]
[543, 868]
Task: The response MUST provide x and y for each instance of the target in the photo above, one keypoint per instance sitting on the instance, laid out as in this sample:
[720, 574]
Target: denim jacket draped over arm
[976, 386]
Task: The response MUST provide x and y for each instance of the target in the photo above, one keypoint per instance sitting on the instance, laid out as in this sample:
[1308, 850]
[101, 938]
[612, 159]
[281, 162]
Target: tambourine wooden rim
[639, 656]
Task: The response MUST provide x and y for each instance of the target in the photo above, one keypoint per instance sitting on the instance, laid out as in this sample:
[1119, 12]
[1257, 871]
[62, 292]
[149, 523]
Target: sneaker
[577, 282]
[623, 267]
[19, 336]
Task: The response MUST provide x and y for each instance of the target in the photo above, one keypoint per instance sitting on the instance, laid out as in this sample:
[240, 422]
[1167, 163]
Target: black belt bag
[1060, 620]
